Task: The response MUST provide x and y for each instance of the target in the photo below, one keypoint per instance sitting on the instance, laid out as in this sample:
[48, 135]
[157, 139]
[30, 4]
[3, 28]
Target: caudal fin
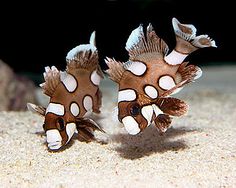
[186, 42]
[187, 32]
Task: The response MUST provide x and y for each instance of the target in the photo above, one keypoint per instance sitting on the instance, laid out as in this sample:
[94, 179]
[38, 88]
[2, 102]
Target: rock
[15, 90]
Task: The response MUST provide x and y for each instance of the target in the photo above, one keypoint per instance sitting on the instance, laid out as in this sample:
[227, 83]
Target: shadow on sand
[149, 142]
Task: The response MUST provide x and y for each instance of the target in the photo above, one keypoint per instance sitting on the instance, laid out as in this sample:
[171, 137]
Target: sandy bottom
[198, 151]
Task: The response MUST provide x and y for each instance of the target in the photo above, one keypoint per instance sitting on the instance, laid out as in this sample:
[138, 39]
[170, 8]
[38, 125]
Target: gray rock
[15, 90]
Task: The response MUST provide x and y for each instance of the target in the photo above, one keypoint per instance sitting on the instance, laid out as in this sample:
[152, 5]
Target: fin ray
[116, 69]
[172, 106]
[52, 80]
[174, 89]
[189, 72]
[36, 109]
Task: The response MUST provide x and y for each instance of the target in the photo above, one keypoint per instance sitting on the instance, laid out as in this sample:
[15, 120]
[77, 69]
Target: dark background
[37, 34]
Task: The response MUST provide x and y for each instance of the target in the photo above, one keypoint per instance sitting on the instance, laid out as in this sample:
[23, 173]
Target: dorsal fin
[115, 70]
[137, 45]
[52, 79]
[84, 56]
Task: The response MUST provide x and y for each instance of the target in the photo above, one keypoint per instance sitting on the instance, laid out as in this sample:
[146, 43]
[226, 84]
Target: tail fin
[83, 56]
[186, 42]
[187, 33]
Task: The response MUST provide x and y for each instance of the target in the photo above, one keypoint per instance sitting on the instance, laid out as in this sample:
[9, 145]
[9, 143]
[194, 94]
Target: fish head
[58, 129]
[134, 111]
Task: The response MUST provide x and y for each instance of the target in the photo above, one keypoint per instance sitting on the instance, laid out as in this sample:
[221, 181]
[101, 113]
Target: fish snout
[54, 139]
[135, 124]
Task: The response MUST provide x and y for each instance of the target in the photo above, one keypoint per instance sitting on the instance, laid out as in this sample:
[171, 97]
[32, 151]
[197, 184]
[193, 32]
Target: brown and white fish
[73, 93]
[151, 75]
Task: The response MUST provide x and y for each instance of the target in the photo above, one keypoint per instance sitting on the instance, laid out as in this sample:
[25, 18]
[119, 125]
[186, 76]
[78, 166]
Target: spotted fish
[73, 94]
[151, 75]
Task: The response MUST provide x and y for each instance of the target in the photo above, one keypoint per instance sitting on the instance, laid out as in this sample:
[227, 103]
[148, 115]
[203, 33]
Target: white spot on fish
[126, 95]
[88, 103]
[54, 108]
[53, 139]
[95, 78]
[70, 130]
[69, 81]
[175, 58]
[147, 112]
[157, 110]
[131, 125]
[151, 92]
[166, 82]
[137, 68]
[74, 108]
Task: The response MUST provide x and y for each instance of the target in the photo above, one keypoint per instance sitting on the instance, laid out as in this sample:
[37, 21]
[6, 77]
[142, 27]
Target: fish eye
[60, 124]
[134, 110]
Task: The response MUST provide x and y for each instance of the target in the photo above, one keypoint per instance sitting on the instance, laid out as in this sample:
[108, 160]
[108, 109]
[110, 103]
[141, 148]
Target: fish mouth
[54, 139]
[54, 145]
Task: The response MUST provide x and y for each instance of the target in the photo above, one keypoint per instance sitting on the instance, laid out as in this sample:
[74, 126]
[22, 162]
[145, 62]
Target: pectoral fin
[36, 109]
[88, 124]
[172, 106]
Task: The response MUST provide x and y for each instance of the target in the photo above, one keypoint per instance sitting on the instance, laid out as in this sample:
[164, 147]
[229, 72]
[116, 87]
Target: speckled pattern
[198, 151]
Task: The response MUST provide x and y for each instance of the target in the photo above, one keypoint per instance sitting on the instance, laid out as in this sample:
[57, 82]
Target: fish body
[73, 94]
[151, 75]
